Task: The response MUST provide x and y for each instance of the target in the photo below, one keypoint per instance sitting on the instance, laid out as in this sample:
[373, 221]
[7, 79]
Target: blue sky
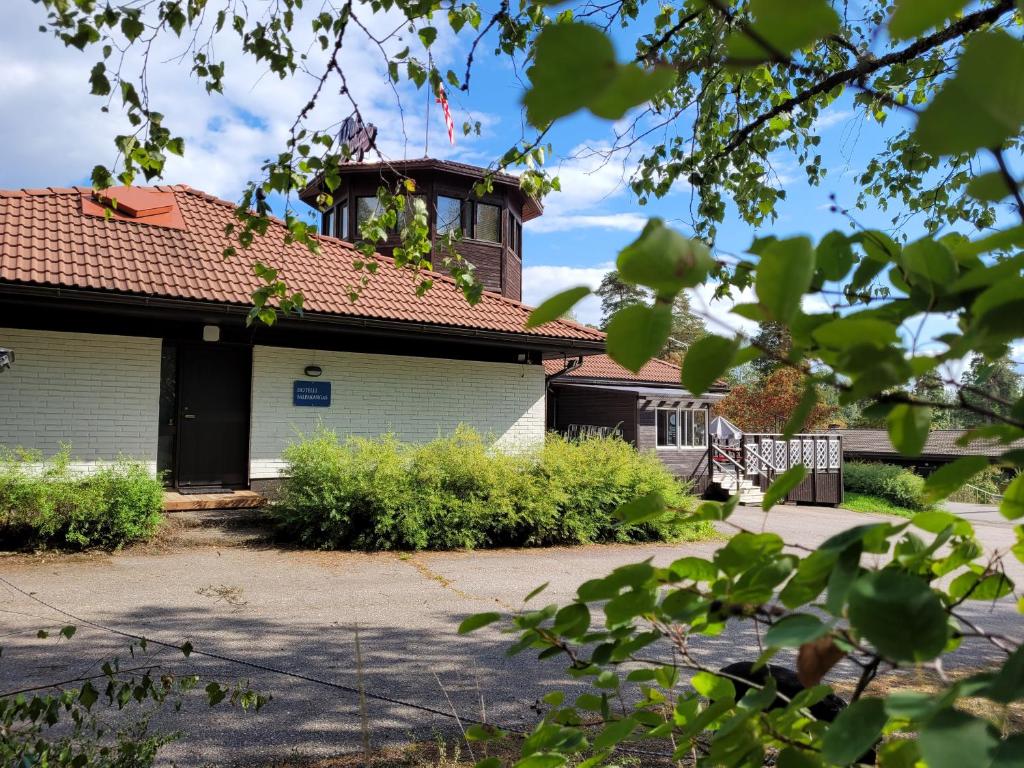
[59, 133]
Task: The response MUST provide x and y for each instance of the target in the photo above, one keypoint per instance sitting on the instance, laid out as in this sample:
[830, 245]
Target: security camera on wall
[6, 358]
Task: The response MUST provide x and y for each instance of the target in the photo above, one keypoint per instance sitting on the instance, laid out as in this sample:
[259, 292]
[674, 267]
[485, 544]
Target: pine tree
[615, 295]
[774, 339]
[998, 380]
[687, 327]
[930, 387]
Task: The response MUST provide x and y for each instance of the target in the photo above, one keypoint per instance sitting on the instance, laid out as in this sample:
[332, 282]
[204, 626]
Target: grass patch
[865, 502]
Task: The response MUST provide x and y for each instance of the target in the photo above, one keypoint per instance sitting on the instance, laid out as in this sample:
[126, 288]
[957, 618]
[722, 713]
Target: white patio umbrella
[724, 429]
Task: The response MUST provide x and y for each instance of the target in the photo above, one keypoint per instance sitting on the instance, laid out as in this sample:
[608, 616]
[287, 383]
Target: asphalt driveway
[299, 611]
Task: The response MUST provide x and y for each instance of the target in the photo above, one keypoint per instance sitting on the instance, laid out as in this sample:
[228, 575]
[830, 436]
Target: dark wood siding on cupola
[498, 265]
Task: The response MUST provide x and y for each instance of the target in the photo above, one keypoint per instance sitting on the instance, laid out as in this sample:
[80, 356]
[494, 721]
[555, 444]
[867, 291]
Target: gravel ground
[298, 611]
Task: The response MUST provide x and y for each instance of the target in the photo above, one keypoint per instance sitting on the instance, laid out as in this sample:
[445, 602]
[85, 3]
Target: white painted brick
[99, 393]
[417, 398]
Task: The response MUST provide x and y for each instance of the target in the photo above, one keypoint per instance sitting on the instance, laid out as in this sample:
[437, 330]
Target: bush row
[895, 484]
[44, 503]
[454, 493]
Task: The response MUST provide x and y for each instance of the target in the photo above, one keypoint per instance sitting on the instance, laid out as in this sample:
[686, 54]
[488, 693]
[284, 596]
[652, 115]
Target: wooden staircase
[749, 491]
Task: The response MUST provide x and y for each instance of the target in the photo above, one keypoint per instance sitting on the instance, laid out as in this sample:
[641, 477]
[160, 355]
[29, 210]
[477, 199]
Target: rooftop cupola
[491, 225]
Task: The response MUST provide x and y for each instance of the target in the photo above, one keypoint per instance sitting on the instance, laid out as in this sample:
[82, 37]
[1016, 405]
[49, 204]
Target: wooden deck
[180, 502]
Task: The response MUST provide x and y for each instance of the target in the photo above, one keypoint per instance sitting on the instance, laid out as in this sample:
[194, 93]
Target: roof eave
[550, 346]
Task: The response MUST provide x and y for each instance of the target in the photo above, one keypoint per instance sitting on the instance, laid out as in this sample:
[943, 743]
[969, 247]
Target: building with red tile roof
[126, 333]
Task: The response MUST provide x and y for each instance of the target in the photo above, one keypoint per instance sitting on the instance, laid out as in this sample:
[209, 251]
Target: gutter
[98, 299]
[570, 366]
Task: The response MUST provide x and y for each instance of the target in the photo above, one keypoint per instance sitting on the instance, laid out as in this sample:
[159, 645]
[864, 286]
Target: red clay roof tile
[603, 367]
[46, 239]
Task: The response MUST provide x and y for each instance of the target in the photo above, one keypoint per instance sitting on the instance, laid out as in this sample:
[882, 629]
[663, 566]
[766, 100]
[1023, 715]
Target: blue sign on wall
[312, 393]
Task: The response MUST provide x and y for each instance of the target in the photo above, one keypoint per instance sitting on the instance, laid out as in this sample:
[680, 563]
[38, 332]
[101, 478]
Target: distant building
[941, 447]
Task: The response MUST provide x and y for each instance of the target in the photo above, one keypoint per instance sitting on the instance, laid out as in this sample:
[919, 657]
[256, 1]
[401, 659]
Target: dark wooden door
[213, 419]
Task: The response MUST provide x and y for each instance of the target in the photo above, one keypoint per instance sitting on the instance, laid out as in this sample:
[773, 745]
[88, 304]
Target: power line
[192, 651]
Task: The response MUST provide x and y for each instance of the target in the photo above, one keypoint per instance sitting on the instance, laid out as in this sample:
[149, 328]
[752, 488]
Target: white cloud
[625, 222]
[60, 133]
[832, 116]
[542, 281]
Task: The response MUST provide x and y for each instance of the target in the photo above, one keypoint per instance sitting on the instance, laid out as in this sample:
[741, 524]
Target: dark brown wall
[686, 463]
[600, 408]
[497, 266]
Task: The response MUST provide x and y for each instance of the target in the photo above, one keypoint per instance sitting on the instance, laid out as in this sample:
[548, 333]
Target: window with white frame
[682, 427]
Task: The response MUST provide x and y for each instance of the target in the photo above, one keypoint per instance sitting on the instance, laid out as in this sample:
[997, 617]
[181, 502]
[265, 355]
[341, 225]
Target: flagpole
[426, 129]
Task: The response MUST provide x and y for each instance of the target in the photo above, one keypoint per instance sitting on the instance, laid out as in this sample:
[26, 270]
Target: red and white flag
[443, 101]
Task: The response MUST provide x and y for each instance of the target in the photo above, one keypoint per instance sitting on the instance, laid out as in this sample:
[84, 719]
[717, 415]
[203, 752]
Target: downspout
[570, 366]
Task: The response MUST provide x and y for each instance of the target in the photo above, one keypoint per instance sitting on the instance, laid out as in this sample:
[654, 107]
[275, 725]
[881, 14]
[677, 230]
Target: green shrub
[888, 481]
[44, 503]
[454, 493]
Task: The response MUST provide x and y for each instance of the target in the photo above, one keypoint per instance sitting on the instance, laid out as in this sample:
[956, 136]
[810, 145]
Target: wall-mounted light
[211, 333]
[521, 357]
[6, 359]
[313, 371]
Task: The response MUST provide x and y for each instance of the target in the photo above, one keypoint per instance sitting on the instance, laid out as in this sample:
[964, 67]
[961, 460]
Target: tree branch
[868, 66]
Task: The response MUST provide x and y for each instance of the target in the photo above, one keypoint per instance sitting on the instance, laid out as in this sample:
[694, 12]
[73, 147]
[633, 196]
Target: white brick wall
[99, 393]
[416, 398]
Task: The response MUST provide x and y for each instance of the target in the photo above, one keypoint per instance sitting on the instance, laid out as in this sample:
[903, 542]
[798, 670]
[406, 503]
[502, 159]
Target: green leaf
[574, 66]
[1008, 682]
[783, 27]
[614, 732]
[834, 256]
[930, 261]
[846, 332]
[637, 333]
[954, 739]
[427, 36]
[713, 686]
[1012, 505]
[572, 620]
[536, 592]
[854, 731]
[664, 260]
[899, 614]
[782, 485]
[642, 509]
[88, 695]
[995, 104]
[791, 757]
[908, 428]
[784, 275]
[705, 362]
[912, 17]
[632, 85]
[556, 306]
[478, 620]
[951, 477]
[215, 694]
[976, 584]
[794, 630]
[990, 187]
[796, 420]
[937, 520]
